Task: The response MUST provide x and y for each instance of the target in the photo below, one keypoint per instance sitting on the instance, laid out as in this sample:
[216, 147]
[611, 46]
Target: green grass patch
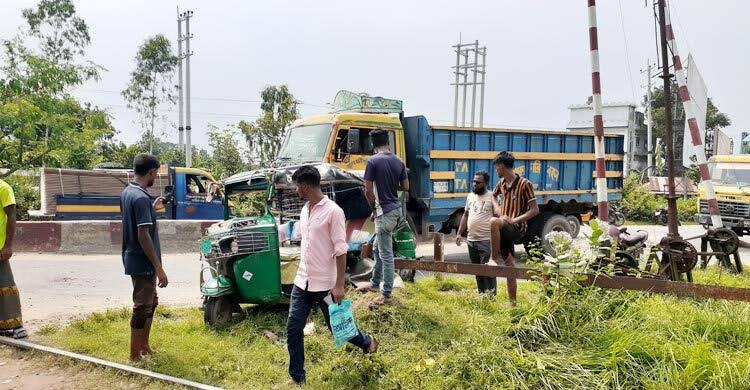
[442, 334]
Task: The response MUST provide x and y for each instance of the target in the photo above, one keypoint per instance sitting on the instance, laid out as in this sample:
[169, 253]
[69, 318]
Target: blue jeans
[301, 303]
[383, 250]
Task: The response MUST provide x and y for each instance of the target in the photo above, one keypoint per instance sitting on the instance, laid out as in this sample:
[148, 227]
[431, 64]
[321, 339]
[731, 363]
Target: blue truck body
[442, 161]
[95, 195]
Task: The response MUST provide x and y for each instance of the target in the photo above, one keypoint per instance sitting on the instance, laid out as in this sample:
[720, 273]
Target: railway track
[105, 363]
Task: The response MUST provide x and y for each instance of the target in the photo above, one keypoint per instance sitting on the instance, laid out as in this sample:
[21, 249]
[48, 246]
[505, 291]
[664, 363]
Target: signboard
[346, 101]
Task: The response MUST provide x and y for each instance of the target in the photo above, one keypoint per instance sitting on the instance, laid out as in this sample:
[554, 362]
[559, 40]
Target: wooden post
[439, 254]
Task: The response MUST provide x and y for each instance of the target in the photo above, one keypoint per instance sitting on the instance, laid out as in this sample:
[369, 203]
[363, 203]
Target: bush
[686, 208]
[637, 203]
[640, 205]
[27, 194]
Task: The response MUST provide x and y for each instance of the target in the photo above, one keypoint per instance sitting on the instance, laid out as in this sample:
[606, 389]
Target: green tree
[264, 136]
[225, 154]
[39, 120]
[151, 83]
[715, 119]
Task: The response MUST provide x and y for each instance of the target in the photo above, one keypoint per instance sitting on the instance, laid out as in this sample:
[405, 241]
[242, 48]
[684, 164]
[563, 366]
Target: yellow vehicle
[730, 175]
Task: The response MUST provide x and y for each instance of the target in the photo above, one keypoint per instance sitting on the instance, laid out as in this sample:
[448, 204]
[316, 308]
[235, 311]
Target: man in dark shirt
[141, 252]
[385, 175]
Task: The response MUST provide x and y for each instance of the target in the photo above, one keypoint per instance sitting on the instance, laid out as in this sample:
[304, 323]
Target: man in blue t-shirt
[385, 175]
[141, 251]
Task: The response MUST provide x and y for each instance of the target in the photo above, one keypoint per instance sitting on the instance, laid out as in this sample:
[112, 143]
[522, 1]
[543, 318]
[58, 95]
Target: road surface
[58, 288]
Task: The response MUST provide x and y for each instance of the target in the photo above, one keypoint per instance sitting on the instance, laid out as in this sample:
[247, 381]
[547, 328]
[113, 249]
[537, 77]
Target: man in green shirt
[11, 323]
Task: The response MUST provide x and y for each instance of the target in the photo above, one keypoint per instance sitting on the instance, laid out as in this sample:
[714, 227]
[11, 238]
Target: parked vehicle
[254, 259]
[75, 194]
[730, 175]
[616, 217]
[443, 159]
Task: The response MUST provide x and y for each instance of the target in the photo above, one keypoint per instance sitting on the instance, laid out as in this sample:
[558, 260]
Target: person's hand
[162, 277]
[159, 203]
[6, 253]
[459, 240]
[338, 294]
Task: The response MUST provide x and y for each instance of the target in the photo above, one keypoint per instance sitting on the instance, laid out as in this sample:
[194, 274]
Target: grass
[441, 334]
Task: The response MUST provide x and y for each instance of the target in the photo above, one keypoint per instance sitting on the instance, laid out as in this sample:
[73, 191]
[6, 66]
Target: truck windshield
[730, 173]
[305, 143]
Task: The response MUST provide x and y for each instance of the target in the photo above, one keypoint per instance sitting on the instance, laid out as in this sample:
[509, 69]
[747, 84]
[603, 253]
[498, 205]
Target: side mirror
[168, 194]
[352, 141]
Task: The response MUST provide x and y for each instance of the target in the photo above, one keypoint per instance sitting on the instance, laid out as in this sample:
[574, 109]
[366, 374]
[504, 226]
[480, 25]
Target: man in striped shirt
[517, 206]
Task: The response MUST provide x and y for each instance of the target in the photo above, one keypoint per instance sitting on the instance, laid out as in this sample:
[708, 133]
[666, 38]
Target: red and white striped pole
[695, 134]
[596, 86]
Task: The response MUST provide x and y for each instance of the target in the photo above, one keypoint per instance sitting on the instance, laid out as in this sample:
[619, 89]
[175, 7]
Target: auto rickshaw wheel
[218, 311]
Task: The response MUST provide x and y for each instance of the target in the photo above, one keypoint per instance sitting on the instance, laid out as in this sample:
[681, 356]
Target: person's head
[379, 138]
[307, 179]
[503, 163]
[481, 180]
[146, 167]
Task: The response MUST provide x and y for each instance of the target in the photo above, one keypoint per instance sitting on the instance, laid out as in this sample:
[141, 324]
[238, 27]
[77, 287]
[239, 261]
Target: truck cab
[730, 175]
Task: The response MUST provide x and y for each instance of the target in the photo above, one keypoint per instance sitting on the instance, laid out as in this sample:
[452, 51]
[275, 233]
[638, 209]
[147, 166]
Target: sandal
[380, 301]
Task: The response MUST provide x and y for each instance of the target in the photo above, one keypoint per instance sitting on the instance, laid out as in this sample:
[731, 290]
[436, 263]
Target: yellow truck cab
[343, 138]
[730, 175]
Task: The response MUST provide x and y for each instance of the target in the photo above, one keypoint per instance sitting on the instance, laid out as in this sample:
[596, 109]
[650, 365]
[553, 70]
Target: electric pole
[180, 102]
[671, 200]
[461, 71]
[188, 54]
[649, 118]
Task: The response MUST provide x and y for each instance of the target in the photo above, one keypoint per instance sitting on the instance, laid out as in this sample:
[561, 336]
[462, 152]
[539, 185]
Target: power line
[209, 98]
[627, 53]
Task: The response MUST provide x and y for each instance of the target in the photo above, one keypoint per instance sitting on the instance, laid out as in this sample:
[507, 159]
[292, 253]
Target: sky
[537, 54]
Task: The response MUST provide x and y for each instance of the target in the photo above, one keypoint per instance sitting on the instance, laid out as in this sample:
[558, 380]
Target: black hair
[505, 159]
[307, 174]
[485, 175]
[379, 138]
[143, 163]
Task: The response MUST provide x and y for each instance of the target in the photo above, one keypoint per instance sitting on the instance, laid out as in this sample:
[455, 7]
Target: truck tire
[575, 225]
[544, 224]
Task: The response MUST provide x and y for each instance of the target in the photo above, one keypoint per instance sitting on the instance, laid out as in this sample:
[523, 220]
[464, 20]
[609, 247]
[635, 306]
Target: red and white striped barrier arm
[596, 86]
[695, 134]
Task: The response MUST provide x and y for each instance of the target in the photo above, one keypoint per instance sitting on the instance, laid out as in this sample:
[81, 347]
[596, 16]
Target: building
[619, 118]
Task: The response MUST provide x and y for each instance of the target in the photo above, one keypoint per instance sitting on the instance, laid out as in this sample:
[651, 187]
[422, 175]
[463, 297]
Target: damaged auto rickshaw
[254, 259]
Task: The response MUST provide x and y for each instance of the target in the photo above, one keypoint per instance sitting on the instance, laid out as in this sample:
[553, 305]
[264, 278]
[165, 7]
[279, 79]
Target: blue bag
[343, 326]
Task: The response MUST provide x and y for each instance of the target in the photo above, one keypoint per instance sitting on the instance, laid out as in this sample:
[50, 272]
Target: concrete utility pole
[180, 102]
[188, 54]
[461, 70]
[649, 119]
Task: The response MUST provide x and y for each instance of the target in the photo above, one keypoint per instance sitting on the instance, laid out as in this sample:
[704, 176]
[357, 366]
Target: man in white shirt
[481, 206]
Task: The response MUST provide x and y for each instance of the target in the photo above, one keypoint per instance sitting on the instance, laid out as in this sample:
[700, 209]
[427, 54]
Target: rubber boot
[146, 347]
[136, 343]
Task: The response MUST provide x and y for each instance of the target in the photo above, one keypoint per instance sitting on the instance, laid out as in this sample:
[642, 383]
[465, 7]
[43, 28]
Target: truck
[76, 194]
[441, 161]
[730, 175]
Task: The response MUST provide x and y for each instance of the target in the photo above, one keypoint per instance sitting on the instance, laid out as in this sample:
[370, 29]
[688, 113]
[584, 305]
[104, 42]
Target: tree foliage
[151, 83]
[226, 158]
[264, 136]
[715, 119]
[39, 121]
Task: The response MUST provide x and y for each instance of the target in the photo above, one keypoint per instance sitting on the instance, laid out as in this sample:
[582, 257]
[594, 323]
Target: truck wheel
[575, 225]
[218, 312]
[556, 223]
[544, 224]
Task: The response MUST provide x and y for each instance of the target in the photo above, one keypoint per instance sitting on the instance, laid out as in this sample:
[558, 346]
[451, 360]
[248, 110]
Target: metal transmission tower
[469, 58]
[185, 16]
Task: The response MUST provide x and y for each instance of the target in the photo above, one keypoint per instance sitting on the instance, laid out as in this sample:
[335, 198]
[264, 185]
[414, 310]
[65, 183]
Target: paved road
[58, 288]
